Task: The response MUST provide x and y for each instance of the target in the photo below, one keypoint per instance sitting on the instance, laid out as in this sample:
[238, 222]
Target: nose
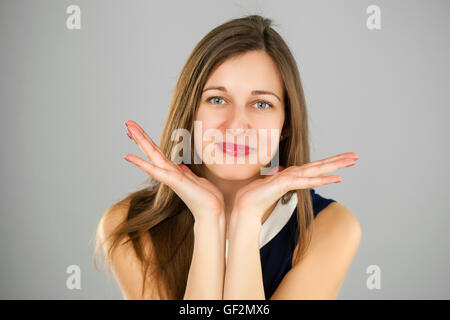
[237, 122]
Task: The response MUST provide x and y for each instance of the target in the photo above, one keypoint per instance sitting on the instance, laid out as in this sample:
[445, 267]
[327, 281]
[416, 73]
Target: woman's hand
[254, 199]
[201, 196]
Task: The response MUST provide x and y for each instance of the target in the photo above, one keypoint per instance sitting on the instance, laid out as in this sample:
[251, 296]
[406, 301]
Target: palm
[258, 196]
[207, 192]
[200, 195]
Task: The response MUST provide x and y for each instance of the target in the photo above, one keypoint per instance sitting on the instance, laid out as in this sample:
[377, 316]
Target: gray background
[65, 96]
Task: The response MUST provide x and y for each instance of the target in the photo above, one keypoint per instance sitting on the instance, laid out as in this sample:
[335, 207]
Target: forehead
[254, 70]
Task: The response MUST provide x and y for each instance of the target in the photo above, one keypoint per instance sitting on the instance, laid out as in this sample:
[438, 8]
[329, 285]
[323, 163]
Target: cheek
[208, 118]
[269, 132]
[267, 139]
[206, 121]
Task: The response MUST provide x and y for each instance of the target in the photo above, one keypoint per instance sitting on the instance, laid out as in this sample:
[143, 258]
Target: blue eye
[214, 98]
[269, 105]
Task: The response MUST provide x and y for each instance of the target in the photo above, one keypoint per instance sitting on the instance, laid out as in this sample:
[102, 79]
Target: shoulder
[338, 220]
[335, 239]
[112, 218]
[124, 262]
[336, 226]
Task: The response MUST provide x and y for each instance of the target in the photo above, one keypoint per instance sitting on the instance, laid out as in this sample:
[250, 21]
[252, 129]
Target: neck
[229, 189]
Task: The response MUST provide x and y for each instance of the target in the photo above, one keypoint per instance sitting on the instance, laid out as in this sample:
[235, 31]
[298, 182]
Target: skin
[236, 109]
[232, 201]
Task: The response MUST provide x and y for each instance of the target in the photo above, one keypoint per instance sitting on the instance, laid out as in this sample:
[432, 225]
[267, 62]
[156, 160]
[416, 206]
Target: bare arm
[243, 278]
[334, 243]
[124, 263]
[206, 274]
[206, 203]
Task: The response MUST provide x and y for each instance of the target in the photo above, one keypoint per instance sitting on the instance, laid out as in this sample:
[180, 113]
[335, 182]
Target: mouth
[235, 150]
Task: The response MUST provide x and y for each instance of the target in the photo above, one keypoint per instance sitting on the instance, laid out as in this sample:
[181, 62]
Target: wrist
[211, 221]
[249, 219]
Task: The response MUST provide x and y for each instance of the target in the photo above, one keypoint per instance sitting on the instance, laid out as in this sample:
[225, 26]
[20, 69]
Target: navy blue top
[276, 255]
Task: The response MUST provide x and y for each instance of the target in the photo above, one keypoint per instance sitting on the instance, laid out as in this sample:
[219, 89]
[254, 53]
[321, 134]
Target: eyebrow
[254, 92]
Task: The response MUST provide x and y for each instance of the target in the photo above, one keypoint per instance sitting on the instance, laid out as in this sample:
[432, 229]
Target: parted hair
[156, 209]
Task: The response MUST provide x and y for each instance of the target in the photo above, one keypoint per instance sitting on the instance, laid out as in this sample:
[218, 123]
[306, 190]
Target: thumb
[184, 167]
[276, 170]
[280, 168]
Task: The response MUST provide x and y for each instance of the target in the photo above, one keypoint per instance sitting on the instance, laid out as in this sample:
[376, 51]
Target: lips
[234, 149]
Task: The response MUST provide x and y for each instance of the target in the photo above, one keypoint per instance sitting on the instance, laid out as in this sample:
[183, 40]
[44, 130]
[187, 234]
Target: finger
[275, 170]
[280, 168]
[324, 168]
[130, 123]
[295, 182]
[153, 153]
[188, 171]
[346, 155]
[184, 167]
[156, 172]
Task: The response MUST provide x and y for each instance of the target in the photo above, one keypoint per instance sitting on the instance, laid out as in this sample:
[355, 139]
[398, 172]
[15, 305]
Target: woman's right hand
[202, 197]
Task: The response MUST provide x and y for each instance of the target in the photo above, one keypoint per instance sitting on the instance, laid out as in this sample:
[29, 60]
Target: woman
[196, 231]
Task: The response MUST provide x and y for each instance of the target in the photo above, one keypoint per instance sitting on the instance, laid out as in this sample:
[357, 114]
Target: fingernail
[351, 164]
[129, 134]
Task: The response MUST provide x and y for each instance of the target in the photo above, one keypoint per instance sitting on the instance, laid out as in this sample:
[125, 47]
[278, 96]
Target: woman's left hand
[254, 199]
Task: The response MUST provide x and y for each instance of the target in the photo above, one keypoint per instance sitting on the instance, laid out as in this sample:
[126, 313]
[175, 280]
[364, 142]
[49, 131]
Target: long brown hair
[156, 208]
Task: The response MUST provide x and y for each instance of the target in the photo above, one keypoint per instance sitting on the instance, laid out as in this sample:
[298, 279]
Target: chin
[234, 171]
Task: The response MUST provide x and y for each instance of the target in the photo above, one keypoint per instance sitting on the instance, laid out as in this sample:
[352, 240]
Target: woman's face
[234, 110]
